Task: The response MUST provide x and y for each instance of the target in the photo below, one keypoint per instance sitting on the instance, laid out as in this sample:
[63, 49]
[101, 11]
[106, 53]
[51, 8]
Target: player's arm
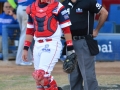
[29, 31]
[97, 8]
[29, 36]
[68, 38]
[102, 18]
[65, 23]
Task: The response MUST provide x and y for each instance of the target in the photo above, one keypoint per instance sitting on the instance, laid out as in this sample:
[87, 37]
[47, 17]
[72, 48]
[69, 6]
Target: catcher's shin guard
[41, 81]
[52, 86]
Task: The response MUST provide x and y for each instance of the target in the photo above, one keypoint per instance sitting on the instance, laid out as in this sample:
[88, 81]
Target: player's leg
[38, 75]
[86, 63]
[45, 59]
[44, 81]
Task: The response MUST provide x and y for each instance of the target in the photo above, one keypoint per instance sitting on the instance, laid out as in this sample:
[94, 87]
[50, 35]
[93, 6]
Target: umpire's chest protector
[44, 19]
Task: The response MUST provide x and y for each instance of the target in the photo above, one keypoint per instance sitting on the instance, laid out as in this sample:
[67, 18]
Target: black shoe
[59, 88]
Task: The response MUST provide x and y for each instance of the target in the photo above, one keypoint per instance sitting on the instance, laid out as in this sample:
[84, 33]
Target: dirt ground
[102, 68]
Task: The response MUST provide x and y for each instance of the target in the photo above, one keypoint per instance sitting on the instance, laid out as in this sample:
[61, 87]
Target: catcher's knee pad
[52, 86]
[39, 76]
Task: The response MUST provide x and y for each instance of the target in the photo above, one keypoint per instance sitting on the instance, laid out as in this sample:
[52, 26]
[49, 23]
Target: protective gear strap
[66, 30]
[39, 86]
[53, 86]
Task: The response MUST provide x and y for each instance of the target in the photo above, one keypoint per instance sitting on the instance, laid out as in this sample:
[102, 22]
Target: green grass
[19, 82]
[108, 79]
[25, 82]
[13, 82]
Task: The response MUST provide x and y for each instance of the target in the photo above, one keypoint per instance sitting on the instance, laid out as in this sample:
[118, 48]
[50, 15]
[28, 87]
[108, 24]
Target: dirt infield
[102, 68]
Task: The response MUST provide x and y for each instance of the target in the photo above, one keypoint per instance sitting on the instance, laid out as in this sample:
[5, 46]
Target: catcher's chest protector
[44, 20]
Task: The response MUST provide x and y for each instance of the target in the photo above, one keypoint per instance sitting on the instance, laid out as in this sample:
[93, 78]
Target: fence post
[5, 46]
[4, 43]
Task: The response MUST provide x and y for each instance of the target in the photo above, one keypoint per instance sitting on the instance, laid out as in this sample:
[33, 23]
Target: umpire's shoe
[59, 88]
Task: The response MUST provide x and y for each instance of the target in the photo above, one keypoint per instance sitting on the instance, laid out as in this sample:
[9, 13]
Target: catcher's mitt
[69, 63]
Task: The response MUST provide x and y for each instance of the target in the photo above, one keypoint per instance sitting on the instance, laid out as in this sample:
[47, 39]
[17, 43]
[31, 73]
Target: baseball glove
[69, 63]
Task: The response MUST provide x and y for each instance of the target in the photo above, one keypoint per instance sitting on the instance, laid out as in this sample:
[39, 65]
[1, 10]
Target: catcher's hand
[69, 63]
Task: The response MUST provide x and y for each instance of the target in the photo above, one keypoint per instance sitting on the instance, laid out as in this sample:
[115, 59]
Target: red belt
[47, 40]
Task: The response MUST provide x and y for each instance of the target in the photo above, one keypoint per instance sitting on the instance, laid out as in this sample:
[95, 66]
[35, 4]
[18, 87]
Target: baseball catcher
[47, 21]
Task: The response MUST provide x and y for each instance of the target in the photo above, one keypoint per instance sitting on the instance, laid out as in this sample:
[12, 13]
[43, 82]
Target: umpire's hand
[95, 33]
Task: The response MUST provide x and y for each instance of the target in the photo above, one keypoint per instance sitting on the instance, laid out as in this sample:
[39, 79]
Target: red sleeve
[66, 30]
[30, 31]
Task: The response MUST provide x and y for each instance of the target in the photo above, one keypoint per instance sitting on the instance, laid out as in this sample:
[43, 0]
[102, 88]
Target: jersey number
[98, 5]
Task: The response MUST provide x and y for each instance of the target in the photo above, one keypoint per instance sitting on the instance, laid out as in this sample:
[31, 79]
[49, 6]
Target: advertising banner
[109, 47]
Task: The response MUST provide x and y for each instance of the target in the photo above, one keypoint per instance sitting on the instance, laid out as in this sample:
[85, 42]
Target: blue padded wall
[114, 13]
[109, 46]
[108, 27]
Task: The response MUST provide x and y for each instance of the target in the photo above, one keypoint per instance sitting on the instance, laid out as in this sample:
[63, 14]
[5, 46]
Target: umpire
[82, 13]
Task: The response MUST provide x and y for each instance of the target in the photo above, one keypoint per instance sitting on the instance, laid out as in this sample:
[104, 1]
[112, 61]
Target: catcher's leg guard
[39, 86]
[41, 81]
[52, 86]
[46, 81]
[41, 78]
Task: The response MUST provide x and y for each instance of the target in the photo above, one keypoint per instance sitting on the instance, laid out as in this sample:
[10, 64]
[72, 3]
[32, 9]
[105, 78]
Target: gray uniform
[22, 18]
[85, 70]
